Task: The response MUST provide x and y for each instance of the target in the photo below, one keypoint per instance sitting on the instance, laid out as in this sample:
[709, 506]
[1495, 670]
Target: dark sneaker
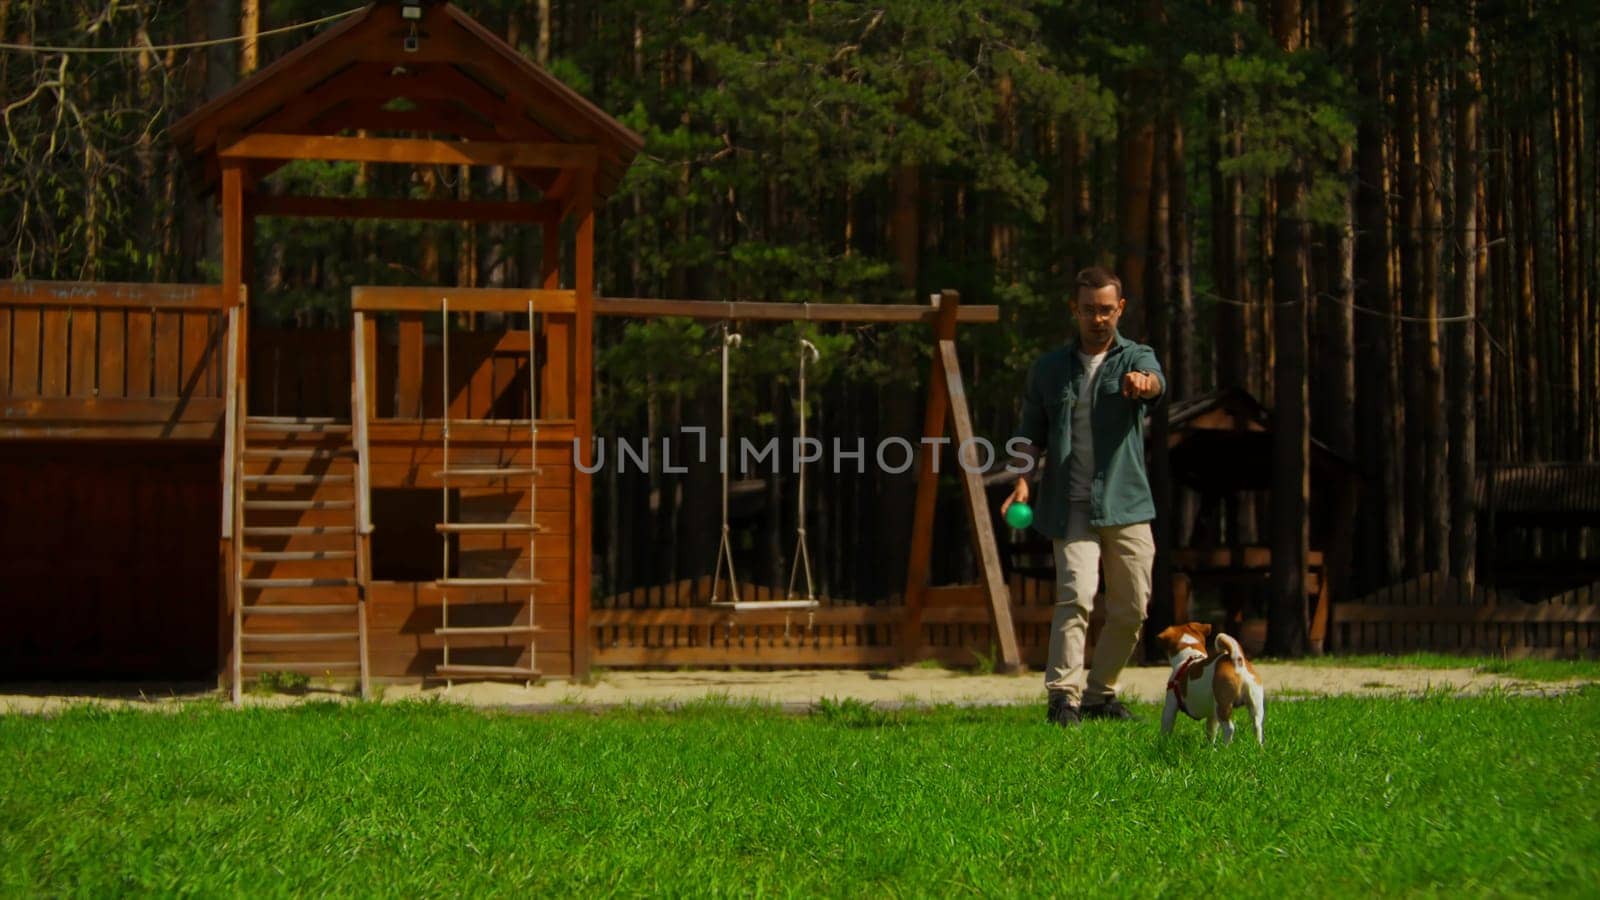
[1061, 711]
[1110, 709]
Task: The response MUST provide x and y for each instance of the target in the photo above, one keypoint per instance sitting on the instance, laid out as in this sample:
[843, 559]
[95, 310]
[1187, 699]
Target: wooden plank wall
[299, 372]
[107, 562]
[109, 353]
[306, 372]
[403, 615]
[126, 357]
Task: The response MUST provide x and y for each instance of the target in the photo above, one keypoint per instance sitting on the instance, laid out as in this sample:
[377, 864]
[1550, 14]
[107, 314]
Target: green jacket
[1120, 492]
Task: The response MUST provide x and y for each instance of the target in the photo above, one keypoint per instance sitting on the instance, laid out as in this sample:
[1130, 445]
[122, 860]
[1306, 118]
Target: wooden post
[582, 357]
[232, 287]
[360, 411]
[933, 428]
[994, 580]
[555, 382]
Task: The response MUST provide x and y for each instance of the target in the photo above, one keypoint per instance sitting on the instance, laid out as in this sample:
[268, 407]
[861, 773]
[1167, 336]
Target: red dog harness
[1178, 678]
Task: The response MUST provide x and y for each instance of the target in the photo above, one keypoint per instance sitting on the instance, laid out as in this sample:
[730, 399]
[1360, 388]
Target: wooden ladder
[299, 587]
[479, 618]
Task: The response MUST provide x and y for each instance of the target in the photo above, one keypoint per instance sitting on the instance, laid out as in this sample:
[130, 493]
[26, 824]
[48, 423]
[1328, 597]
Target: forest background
[1379, 218]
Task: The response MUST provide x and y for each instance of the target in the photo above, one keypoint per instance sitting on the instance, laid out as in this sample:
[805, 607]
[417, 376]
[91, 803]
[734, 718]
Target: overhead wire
[185, 45]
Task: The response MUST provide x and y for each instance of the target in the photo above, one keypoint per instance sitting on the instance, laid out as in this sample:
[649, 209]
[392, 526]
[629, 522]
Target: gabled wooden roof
[462, 81]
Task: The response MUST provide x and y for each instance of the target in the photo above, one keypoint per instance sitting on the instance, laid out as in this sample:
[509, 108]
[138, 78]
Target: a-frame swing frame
[946, 406]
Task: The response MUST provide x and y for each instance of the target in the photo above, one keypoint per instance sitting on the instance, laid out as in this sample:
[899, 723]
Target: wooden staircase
[299, 580]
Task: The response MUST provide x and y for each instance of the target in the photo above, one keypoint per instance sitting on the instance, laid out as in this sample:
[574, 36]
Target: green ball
[1019, 515]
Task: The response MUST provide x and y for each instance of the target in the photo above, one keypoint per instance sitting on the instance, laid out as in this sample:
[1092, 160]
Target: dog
[1210, 687]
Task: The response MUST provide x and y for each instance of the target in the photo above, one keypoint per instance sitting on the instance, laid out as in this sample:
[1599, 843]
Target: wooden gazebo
[1220, 445]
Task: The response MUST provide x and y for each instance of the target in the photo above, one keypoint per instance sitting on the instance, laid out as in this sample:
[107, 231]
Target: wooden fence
[1434, 613]
[670, 625]
[106, 360]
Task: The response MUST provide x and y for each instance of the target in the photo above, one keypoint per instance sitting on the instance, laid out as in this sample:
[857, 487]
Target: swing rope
[802, 553]
[725, 547]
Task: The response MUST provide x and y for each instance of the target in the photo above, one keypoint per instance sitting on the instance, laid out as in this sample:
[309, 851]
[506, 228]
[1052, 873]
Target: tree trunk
[249, 27]
[1136, 154]
[1226, 249]
[1525, 189]
[1414, 350]
[1378, 396]
[1180, 361]
[1572, 278]
[1136, 145]
[1182, 380]
[1336, 326]
[1157, 326]
[542, 50]
[1287, 621]
[1463, 344]
[1436, 503]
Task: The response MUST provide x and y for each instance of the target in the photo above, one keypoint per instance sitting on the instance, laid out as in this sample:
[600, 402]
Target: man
[1083, 408]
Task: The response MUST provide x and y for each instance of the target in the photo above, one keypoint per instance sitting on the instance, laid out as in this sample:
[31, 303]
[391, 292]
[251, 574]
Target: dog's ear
[1169, 635]
[1203, 628]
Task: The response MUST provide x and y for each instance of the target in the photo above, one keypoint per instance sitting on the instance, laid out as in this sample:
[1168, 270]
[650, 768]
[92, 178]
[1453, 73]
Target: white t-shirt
[1080, 471]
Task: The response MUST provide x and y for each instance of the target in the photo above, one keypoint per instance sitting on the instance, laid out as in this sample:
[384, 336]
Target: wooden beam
[415, 151]
[582, 356]
[86, 418]
[978, 518]
[394, 208]
[426, 299]
[232, 229]
[428, 117]
[114, 411]
[933, 428]
[110, 295]
[783, 311]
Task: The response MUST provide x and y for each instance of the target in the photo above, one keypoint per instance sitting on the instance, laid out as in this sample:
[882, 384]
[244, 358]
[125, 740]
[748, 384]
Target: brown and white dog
[1210, 687]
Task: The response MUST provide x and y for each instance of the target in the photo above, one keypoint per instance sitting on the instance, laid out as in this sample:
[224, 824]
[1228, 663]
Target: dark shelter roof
[1221, 442]
[1565, 489]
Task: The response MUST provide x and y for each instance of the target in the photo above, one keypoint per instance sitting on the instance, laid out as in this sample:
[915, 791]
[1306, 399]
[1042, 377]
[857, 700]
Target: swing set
[946, 410]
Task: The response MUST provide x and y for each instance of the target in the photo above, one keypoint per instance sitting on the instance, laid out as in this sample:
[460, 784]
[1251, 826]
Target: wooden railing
[106, 360]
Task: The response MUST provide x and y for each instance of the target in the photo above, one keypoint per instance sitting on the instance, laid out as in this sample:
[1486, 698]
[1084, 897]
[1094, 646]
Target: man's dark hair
[1097, 277]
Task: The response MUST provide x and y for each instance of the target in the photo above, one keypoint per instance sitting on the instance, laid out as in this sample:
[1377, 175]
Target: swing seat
[752, 605]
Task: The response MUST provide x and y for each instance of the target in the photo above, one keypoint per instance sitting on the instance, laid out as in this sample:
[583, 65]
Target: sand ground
[792, 690]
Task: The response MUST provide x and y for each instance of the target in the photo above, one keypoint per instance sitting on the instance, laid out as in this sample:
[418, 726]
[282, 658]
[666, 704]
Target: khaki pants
[1128, 552]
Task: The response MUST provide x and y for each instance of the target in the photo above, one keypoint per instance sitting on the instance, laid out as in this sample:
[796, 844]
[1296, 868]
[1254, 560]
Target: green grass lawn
[1474, 796]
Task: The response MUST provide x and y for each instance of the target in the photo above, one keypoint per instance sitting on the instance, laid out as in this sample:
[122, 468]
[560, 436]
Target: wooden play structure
[400, 498]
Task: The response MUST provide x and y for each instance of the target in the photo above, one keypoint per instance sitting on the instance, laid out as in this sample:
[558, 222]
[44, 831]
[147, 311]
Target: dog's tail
[1226, 644]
